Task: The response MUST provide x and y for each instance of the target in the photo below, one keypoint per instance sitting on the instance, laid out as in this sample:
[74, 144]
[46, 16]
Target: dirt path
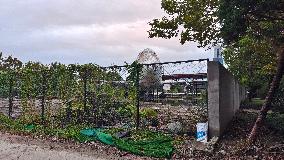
[12, 151]
[13, 147]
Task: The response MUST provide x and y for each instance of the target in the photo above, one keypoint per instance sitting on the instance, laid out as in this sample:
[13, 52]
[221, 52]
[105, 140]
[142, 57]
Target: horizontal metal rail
[160, 63]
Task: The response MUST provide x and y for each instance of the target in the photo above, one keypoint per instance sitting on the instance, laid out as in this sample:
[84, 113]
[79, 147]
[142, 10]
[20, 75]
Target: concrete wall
[224, 97]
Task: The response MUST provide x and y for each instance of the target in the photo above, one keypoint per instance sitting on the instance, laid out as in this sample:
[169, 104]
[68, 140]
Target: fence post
[137, 95]
[94, 104]
[10, 95]
[43, 92]
[85, 76]
[69, 111]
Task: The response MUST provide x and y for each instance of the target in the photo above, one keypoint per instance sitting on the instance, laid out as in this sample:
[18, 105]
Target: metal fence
[131, 95]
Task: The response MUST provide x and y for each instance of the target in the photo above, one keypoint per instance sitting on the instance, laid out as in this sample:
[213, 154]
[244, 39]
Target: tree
[210, 21]
[253, 62]
[192, 20]
[9, 63]
[264, 20]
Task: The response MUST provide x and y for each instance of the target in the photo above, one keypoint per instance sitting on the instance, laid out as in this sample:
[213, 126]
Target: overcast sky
[87, 31]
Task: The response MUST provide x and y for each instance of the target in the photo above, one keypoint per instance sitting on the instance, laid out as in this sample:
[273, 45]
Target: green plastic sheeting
[105, 138]
[87, 135]
[29, 127]
[159, 148]
[156, 146]
[88, 132]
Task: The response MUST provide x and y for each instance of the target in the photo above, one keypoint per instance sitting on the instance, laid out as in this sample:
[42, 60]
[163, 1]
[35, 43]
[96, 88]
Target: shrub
[276, 121]
[149, 113]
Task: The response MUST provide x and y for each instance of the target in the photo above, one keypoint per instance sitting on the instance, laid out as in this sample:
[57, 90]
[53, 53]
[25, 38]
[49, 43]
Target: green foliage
[18, 126]
[207, 22]
[276, 121]
[192, 20]
[250, 60]
[203, 99]
[176, 88]
[82, 84]
[253, 62]
[134, 70]
[278, 101]
[148, 113]
[127, 111]
[149, 117]
[253, 104]
[9, 63]
[263, 19]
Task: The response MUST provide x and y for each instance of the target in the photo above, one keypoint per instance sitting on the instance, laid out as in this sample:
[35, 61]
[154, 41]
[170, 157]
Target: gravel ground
[27, 147]
[13, 147]
[12, 151]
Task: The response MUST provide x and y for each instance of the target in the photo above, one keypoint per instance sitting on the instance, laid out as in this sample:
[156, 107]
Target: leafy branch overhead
[212, 21]
[190, 19]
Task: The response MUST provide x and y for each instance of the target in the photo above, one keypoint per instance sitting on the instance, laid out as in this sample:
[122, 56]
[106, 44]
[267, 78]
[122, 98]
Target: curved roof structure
[148, 56]
[151, 76]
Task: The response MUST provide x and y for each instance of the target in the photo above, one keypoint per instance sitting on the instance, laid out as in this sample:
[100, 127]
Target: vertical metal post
[43, 92]
[137, 96]
[10, 95]
[207, 90]
[85, 93]
[78, 116]
[157, 96]
[196, 90]
[94, 103]
[69, 112]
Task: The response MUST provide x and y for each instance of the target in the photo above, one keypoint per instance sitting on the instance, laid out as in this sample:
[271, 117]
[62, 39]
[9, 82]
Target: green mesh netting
[29, 127]
[154, 146]
[159, 148]
[87, 135]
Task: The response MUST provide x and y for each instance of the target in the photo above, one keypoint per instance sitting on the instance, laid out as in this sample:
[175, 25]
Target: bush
[149, 113]
[149, 116]
[276, 121]
[278, 101]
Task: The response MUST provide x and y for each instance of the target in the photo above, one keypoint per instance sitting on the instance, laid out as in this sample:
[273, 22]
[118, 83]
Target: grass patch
[255, 103]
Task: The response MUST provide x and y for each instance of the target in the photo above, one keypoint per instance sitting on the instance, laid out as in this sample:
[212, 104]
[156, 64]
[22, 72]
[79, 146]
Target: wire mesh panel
[116, 97]
[9, 93]
[175, 91]
[136, 95]
[179, 81]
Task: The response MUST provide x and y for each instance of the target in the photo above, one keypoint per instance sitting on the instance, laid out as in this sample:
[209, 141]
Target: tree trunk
[269, 97]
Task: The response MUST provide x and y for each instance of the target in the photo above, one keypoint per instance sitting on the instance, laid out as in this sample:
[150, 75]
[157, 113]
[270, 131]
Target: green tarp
[155, 145]
[29, 127]
[93, 134]
[160, 147]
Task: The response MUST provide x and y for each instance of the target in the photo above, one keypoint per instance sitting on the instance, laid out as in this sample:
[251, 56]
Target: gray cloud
[71, 31]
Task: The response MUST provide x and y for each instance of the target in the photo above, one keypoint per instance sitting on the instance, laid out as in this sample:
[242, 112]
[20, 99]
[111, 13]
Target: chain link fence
[136, 95]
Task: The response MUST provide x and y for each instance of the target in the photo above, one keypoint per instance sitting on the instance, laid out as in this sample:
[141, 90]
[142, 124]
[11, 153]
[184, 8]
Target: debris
[175, 127]
[122, 134]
